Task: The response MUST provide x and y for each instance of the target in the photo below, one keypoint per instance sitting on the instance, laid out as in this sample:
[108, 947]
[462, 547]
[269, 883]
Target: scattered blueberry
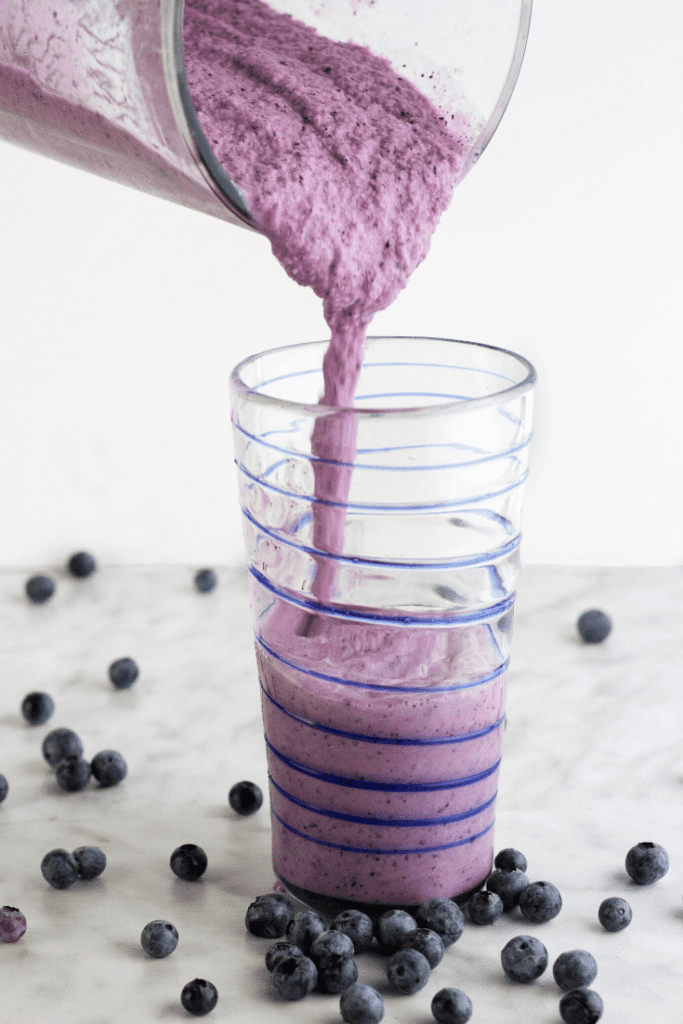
[330, 943]
[336, 973]
[524, 958]
[391, 927]
[37, 707]
[485, 907]
[361, 1004]
[575, 969]
[199, 997]
[159, 938]
[123, 673]
[594, 626]
[59, 868]
[540, 902]
[40, 589]
[295, 977]
[109, 767]
[81, 565]
[443, 916]
[61, 743]
[278, 951]
[205, 581]
[269, 915]
[91, 861]
[614, 914]
[427, 942]
[73, 774]
[581, 1006]
[451, 1006]
[4, 788]
[188, 862]
[304, 927]
[647, 863]
[245, 797]
[358, 927]
[510, 859]
[408, 971]
[507, 885]
[12, 924]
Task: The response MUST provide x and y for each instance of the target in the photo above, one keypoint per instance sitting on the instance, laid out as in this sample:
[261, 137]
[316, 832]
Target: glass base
[329, 906]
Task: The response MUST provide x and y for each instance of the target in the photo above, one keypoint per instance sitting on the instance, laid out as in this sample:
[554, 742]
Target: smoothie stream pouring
[384, 698]
[101, 84]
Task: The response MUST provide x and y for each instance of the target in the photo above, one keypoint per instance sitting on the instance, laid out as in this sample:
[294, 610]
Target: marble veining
[592, 764]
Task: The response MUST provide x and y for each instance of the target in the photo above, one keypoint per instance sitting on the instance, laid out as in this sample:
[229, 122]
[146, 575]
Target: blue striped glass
[382, 573]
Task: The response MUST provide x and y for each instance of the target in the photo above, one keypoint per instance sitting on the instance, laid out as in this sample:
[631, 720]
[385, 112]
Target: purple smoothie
[383, 741]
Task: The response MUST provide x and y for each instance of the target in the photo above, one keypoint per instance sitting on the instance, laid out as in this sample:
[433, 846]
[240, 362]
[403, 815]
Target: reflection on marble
[593, 763]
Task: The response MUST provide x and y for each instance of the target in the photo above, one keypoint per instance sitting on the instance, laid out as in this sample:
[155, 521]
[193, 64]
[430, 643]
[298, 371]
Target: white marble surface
[593, 763]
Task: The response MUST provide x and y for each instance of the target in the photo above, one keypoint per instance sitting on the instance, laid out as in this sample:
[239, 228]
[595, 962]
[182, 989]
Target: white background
[122, 316]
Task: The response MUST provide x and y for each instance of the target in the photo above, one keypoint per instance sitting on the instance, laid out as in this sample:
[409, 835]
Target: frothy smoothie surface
[345, 165]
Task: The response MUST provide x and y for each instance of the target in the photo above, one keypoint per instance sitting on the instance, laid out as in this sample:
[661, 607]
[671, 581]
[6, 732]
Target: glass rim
[458, 407]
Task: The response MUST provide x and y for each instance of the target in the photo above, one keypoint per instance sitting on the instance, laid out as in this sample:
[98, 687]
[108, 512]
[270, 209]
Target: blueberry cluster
[63, 751]
[61, 868]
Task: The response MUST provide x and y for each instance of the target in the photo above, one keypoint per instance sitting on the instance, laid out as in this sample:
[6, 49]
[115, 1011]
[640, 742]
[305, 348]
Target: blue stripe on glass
[382, 851]
[377, 563]
[389, 740]
[384, 822]
[377, 686]
[382, 787]
[437, 366]
[459, 618]
[492, 457]
[413, 394]
[381, 508]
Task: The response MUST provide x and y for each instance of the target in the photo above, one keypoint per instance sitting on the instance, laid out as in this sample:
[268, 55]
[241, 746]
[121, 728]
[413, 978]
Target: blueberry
[40, 589]
[73, 774]
[614, 914]
[199, 997]
[245, 797]
[581, 1006]
[451, 1006]
[59, 868]
[188, 862]
[336, 973]
[361, 1004]
[524, 958]
[443, 916]
[278, 951]
[159, 938]
[330, 943]
[205, 581]
[594, 626]
[575, 969]
[269, 915]
[540, 902]
[12, 924]
[427, 942]
[358, 927]
[4, 788]
[123, 673]
[508, 885]
[510, 859]
[109, 767]
[91, 861]
[295, 977]
[408, 971]
[81, 565]
[61, 743]
[485, 907]
[303, 928]
[391, 928]
[37, 707]
[647, 863]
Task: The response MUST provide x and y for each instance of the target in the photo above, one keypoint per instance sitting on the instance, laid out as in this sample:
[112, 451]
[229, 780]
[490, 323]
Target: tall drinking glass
[382, 589]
